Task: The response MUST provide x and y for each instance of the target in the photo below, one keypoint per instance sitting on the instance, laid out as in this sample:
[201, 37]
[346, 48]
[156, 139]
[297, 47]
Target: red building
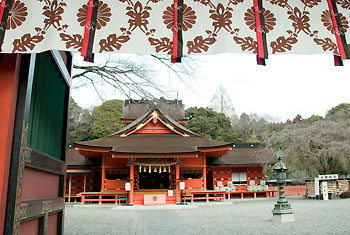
[155, 152]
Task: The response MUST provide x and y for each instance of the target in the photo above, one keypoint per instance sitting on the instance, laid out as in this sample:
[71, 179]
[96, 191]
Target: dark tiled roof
[74, 158]
[127, 142]
[133, 109]
[245, 156]
[153, 143]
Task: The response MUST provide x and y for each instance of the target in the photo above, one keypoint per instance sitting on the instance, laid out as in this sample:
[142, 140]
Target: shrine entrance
[154, 180]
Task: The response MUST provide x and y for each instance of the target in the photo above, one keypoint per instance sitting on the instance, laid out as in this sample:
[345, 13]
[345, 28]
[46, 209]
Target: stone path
[247, 216]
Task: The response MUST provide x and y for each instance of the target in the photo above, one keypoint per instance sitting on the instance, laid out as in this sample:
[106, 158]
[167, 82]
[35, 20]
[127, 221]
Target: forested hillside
[317, 145]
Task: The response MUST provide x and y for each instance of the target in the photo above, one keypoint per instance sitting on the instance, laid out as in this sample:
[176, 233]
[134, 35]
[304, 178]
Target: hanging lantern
[155, 169]
[160, 169]
[149, 169]
[140, 168]
[169, 169]
[164, 170]
[144, 169]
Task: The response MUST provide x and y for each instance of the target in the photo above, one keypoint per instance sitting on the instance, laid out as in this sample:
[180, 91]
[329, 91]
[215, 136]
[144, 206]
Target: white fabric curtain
[145, 26]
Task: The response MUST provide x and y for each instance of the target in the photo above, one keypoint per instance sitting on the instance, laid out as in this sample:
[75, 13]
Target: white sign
[328, 177]
[170, 193]
[324, 190]
[317, 187]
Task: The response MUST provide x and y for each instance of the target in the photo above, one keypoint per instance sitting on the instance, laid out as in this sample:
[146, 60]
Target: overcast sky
[287, 86]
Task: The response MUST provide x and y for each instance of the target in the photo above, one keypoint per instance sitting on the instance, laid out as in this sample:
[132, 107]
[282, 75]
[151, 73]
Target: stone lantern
[282, 212]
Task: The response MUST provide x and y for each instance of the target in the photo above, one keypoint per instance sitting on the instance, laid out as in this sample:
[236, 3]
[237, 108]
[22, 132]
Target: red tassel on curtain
[4, 12]
[339, 34]
[177, 52]
[89, 31]
[260, 32]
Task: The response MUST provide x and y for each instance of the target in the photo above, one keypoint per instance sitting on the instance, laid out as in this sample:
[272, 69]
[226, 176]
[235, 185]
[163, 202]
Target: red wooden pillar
[84, 184]
[177, 173]
[69, 188]
[131, 193]
[103, 174]
[204, 176]
[9, 77]
[204, 173]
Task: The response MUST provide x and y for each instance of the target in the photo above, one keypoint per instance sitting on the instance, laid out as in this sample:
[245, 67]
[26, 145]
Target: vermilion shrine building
[154, 151]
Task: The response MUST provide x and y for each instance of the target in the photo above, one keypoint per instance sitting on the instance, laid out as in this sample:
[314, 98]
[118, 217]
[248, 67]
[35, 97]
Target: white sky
[287, 86]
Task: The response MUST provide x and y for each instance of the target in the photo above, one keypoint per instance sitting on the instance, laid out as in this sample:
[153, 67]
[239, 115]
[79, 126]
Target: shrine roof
[74, 158]
[154, 143]
[178, 140]
[133, 109]
[240, 156]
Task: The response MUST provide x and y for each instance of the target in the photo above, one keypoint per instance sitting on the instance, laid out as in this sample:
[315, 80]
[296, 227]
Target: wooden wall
[35, 189]
[224, 174]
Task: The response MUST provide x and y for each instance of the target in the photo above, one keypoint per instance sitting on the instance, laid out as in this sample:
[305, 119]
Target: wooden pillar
[84, 183]
[131, 193]
[69, 188]
[214, 172]
[204, 173]
[103, 175]
[177, 173]
[9, 78]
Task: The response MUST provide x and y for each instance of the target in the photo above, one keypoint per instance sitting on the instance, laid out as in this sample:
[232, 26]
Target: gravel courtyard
[247, 216]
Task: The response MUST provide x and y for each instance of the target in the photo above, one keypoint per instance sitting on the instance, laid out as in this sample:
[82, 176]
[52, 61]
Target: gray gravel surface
[247, 216]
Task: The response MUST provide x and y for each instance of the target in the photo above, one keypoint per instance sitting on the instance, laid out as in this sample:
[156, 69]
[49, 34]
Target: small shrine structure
[154, 152]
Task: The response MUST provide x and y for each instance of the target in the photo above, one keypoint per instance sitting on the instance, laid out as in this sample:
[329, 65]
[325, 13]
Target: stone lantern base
[282, 216]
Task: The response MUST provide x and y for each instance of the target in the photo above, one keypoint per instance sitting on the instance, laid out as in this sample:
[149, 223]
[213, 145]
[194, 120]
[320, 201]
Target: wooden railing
[100, 197]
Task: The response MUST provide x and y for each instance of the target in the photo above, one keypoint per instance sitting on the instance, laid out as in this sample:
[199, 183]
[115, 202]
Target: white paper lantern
[182, 185]
[127, 186]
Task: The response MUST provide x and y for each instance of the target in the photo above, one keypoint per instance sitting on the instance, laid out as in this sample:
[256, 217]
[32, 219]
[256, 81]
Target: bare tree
[131, 74]
[221, 102]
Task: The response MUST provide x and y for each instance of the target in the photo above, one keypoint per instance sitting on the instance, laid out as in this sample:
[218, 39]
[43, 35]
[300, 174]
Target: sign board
[324, 191]
[328, 177]
[317, 187]
[154, 199]
[170, 193]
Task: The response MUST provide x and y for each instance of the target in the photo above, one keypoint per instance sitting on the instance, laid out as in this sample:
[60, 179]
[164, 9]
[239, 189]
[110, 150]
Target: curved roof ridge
[158, 109]
[175, 123]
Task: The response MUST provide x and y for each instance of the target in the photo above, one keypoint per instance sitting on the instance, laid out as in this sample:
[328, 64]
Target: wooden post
[177, 176]
[69, 188]
[9, 79]
[131, 193]
[204, 172]
[103, 175]
[214, 172]
[84, 183]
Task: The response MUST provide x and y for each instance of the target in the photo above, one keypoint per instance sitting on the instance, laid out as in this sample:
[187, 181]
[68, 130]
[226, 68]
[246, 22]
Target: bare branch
[134, 75]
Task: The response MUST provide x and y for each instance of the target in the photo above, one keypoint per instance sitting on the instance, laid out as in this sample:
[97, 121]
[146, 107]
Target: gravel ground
[247, 216]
